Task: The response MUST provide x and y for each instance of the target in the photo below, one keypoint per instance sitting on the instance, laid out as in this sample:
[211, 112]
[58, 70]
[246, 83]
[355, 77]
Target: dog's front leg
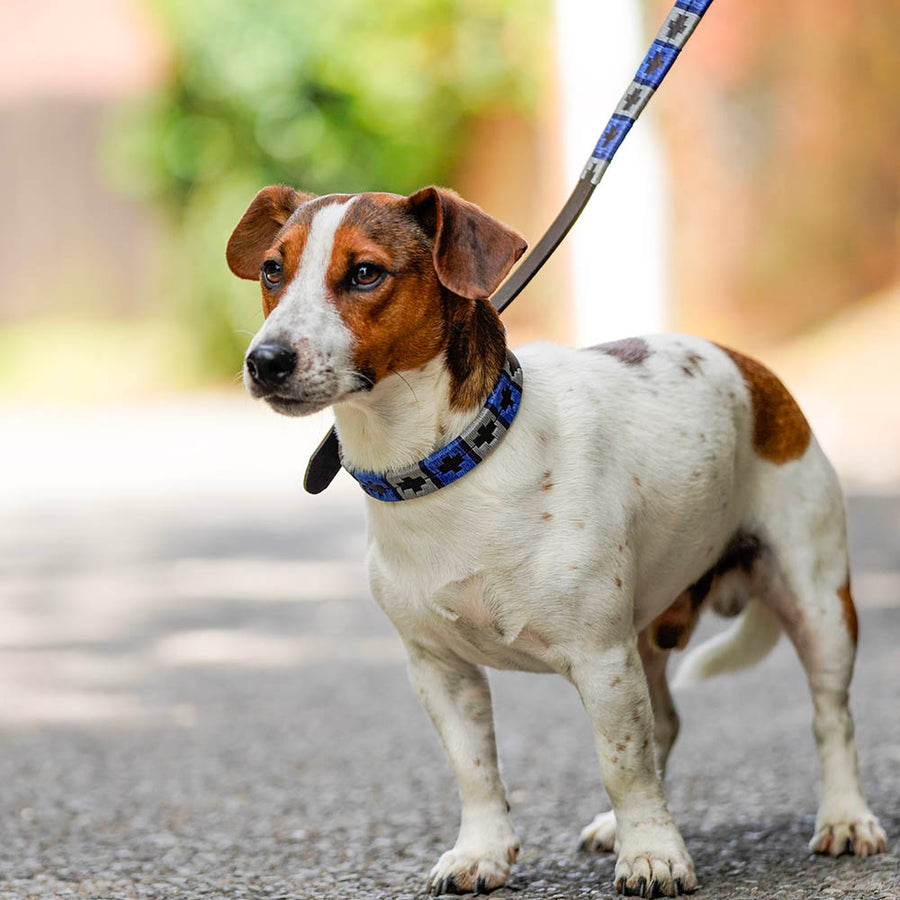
[458, 699]
[652, 858]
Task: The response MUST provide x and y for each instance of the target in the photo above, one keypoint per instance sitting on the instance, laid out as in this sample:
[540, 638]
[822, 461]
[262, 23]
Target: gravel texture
[169, 728]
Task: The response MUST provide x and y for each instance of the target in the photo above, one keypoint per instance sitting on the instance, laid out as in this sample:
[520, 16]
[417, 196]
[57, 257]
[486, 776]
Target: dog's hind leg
[807, 584]
[601, 833]
[457, 697]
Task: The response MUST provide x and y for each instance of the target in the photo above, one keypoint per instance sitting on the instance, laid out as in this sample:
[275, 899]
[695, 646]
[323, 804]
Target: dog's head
[357, 287]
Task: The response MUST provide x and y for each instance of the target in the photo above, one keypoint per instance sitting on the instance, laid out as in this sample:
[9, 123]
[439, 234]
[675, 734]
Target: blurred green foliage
[343, 95]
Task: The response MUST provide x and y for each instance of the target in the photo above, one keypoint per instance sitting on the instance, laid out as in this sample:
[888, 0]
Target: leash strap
[672, 36]
[668, 43]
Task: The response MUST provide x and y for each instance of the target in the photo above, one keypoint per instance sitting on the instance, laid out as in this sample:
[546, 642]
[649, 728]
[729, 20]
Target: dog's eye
[366, 275]
[272, 272]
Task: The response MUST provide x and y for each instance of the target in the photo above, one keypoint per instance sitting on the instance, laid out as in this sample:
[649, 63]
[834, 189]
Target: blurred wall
[68, 242]
[781, 125]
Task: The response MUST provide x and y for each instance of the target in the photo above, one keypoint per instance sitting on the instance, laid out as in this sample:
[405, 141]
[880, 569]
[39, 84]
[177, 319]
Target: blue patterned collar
[462, 454]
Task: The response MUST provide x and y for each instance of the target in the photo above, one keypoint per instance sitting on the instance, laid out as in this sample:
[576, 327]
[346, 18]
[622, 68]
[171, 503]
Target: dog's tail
[749, 639]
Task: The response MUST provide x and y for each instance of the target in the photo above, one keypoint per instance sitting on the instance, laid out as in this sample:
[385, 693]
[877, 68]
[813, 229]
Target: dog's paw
[863, 837]
[600, 835]
[463, 871]
[660, 867]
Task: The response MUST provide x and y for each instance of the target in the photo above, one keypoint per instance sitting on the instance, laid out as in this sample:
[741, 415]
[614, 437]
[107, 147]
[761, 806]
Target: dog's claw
[620, 885]
[642, 887]
[679, 887]
[481, 886]
[654, 889]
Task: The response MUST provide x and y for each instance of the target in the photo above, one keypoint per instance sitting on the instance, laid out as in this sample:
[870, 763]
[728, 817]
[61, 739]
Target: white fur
[618, 485]
[652, 472]
[306, 319]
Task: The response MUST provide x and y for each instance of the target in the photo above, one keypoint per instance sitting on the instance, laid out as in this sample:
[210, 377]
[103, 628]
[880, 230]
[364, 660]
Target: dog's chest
[476, 617]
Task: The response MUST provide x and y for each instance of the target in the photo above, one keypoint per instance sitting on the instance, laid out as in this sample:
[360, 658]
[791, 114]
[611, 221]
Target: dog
[559, 510]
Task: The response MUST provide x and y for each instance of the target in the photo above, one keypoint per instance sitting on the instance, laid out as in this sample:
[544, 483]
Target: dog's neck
[408, 415]
[403, 419]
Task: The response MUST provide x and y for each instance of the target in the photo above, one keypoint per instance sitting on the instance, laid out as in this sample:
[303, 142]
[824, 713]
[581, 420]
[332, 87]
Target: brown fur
[412, 317]
[780, 430]
[849, 610]
[267, 213]
[672, 629]
[632, 351]
[473, 252]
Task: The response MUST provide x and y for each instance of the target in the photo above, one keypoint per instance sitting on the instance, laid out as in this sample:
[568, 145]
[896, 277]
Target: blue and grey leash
[668, 43]
[672, 36]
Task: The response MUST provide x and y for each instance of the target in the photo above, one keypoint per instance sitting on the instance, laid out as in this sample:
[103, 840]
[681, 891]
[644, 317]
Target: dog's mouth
[294, 406]
[307, 404]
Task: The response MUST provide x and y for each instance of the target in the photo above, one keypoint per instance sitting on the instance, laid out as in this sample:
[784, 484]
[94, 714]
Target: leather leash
[678, 26]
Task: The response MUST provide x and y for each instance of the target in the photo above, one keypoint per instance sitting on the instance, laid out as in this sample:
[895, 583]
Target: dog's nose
[270, 364]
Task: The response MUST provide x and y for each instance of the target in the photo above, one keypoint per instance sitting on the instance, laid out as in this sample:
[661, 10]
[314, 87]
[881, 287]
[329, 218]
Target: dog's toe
[462, 871]
[668, 874]
[862, 837]
[600, 835]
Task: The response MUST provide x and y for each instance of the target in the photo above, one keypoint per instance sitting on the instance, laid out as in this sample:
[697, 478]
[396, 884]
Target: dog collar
[462, 454]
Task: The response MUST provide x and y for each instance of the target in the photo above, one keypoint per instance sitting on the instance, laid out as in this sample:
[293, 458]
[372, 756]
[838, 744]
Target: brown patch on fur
[547, 483]
[472, 251]
[780, 430]
[399, 324]
[287, 250]
[849, 610]
[412, 316]
[672, 629]
[547, 516]
[615, 682]
[579, 524]
[618, 581]
[476, 350]
[631, 351]
[255, 233]
[636, 480]
[621, 748]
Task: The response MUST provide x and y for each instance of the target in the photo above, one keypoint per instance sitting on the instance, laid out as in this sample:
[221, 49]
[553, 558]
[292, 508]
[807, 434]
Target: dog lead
[678, 26]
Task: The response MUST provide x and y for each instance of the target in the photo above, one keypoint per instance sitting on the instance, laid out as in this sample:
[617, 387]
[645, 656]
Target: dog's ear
[256, 231]
[473, 252]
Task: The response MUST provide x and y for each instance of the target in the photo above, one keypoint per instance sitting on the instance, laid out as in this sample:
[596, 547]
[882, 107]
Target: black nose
[270, 364]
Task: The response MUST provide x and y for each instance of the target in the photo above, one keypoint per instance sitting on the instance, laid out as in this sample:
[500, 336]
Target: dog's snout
[270, 364]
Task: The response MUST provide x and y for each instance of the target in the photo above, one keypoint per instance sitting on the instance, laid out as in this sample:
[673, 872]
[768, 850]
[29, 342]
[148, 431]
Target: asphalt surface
[201, 700]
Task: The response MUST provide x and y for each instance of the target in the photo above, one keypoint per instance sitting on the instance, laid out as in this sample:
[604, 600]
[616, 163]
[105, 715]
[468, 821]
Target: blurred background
[152, 520]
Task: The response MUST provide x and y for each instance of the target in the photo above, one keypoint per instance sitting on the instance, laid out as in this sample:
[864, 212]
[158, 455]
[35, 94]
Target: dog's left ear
[255, 233]
[472, 251]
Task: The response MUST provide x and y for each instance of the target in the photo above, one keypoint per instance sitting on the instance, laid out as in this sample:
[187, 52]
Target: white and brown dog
[641, 481]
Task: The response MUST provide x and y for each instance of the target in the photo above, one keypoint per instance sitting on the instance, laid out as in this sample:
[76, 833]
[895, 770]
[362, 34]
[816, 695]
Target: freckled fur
[498, 570]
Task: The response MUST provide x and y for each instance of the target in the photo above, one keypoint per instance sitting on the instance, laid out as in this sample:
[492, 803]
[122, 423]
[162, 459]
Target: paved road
[200, 700]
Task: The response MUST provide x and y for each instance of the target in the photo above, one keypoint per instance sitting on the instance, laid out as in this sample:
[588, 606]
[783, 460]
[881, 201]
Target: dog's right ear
[256, 231]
